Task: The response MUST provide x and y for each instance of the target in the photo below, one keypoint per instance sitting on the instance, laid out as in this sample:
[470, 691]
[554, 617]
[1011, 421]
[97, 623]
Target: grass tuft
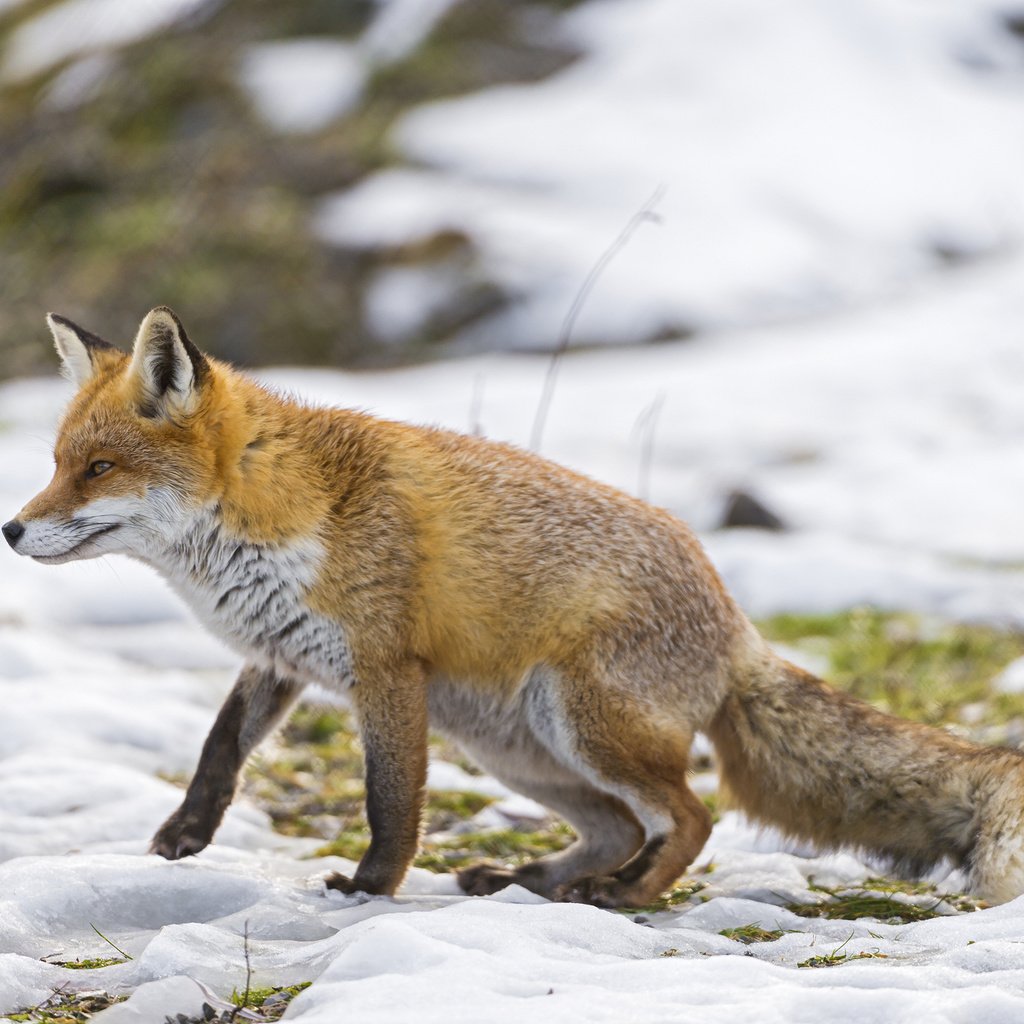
[751, 933]
[509, 846]
[89, 965]
[879, 901]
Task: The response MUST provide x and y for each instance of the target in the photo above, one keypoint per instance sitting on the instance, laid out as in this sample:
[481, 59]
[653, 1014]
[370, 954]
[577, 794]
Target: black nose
[12, 531]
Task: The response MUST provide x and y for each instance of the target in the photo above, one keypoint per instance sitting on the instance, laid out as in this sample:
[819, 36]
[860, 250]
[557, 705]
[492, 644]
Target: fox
[571, 638]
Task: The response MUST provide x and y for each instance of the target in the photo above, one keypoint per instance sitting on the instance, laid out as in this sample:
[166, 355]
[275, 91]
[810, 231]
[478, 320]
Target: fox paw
[605, 892]
[342, 883]
[181, 837]
[485, 878]
[350, 886]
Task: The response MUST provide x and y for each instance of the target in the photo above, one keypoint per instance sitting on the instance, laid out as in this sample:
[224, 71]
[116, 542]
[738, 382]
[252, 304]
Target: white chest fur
[254, 597]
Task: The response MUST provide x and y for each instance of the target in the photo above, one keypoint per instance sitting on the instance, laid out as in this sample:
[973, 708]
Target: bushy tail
[823, 766]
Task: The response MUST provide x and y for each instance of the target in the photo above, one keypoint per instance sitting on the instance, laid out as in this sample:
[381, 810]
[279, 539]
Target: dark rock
[743, 510]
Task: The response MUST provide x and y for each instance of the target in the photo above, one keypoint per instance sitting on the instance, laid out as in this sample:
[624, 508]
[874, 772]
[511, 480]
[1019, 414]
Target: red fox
[570, 637]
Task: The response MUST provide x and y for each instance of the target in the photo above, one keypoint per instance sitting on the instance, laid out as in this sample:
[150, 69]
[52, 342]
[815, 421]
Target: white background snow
[816, 156]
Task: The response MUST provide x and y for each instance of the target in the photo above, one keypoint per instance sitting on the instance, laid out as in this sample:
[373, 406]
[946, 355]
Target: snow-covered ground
[887, 439]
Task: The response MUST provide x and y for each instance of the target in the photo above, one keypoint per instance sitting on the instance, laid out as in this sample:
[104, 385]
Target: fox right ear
[167, 368]
[78, 348]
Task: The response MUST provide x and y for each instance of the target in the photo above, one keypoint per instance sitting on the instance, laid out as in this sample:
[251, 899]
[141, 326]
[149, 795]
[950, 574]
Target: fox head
[134, 453]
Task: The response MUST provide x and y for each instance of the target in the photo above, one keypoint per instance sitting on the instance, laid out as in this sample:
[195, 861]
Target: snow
[76, 27]
[302, 85]
[814, 156]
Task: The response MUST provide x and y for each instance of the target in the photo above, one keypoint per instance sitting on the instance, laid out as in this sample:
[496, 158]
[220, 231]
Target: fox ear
[168, 369]
[79, 349]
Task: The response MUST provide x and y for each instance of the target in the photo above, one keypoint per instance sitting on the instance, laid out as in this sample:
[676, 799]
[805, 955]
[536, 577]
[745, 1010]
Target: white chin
[77, 555]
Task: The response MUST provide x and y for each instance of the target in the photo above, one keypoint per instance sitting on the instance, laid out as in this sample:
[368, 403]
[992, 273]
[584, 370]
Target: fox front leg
[392, 711]
[256, 703]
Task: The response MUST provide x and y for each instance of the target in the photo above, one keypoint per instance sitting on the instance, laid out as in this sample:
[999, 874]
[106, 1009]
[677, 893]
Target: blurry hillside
[375, 181]
[173, 151]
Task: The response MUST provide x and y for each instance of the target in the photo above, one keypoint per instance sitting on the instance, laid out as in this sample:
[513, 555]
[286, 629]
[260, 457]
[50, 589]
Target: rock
[744, 510]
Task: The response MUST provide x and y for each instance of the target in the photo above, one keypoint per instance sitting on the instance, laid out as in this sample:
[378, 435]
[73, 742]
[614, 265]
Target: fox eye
[98, 468]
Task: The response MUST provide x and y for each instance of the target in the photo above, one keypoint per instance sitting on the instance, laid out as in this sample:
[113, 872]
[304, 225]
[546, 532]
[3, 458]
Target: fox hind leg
[625, 752]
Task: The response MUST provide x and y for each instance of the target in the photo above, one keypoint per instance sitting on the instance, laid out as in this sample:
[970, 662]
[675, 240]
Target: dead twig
[646, 425]
[643, 215]
[127, 956]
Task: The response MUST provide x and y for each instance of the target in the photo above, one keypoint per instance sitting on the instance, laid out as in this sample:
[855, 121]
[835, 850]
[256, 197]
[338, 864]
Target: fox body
[571, 638]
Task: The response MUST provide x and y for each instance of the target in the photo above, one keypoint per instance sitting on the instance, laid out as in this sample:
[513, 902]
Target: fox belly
[498, 730]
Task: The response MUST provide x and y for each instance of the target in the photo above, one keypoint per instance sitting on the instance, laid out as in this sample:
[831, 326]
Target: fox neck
[267, 491]
[253, 596]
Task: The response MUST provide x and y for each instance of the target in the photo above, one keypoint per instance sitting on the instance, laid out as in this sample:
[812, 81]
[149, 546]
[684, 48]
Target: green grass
[877, 900]
[89, 964]
[509, 846]
[751, 933]
[270, 1003]
[835, 959]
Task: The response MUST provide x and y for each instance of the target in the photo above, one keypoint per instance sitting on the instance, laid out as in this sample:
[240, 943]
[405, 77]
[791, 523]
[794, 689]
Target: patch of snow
[1011, 679]
[399, 301]
[400, 27]
[444, 776]
[75, 27]
[79, 82]
[301, 85]
[152, 1001]
[814, 156]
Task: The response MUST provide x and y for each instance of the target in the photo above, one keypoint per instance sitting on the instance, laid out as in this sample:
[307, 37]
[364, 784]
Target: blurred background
[365, 183]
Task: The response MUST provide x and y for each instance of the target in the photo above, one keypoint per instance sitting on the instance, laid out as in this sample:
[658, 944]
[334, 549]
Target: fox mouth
[65, 556]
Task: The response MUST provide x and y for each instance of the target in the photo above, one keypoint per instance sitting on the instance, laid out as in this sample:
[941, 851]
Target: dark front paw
[364, 885]
[340, 882]
[181, 835]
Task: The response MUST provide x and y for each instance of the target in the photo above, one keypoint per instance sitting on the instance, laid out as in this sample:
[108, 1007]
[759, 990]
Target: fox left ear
[80, 351]
[167, 368]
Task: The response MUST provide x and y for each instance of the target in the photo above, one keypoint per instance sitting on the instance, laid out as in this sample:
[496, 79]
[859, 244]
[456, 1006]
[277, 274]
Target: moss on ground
[89, 964]
[507, 846]
[748, 934]
[878, 900]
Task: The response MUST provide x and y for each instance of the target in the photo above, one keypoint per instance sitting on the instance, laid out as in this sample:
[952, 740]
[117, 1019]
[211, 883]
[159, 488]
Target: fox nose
[12, 531]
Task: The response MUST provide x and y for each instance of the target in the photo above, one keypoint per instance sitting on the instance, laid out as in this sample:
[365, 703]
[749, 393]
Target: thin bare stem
[643, 215]
[109, 943]
[248, 965]
[646, 425]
